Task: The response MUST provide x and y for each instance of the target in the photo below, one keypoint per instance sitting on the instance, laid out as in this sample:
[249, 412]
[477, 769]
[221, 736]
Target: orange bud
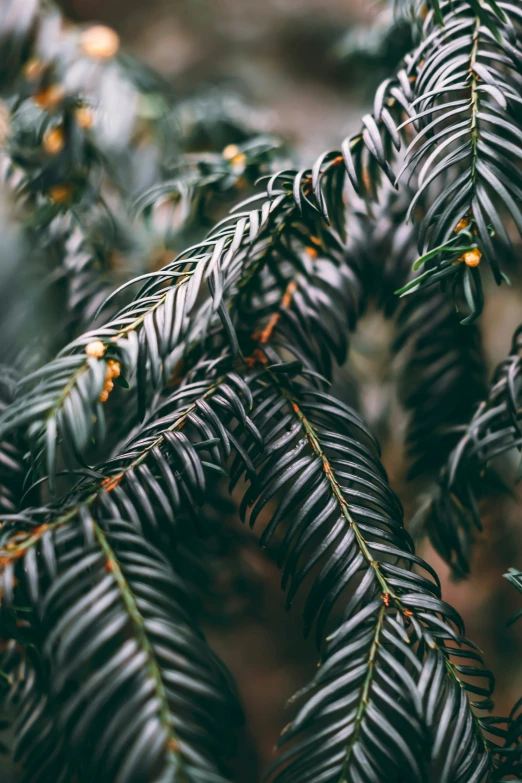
[111, 482]
[60, 194]
[112, 371]
[54, 141]
[463, 223]
[84, 117]
[472, 257]
[50, 97]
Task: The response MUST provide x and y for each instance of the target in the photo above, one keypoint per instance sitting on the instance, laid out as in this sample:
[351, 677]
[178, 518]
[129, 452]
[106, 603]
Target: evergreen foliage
[204, 364]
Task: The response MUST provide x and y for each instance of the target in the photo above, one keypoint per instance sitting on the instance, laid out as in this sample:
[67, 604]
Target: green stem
[392, 597]
[365, 692]
[138, 622]
[11, 553]
[475, 105]
[453, 673]
[7, 677]
[343, 505]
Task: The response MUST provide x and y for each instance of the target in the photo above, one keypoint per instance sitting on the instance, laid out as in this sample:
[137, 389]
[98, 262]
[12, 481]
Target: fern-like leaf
[442, 379]
[465, 154]
[129, 675]
[492, 434]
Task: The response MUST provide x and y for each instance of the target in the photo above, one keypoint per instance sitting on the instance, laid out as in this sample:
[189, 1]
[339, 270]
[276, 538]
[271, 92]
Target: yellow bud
[100, 42]
[230, 151]
[96, 349]
[113, 367]
[238, 161]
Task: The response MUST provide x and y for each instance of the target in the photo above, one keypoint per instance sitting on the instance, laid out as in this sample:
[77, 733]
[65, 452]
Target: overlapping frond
[291, 437]
[129, 676]
[471, 471]
[36, 738]
[228, 351]
[343, 532]
[184, 435]
[381, 245]
[145, 337]
[511, 767]
[465, 154]
[159, 474]
[91, 133]
[441, 381]
[12, 469]
[396, 639]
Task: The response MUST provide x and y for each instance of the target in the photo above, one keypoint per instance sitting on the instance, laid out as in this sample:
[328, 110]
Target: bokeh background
[285, 57]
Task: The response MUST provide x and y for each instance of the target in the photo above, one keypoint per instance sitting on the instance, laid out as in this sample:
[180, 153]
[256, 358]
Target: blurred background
[290, 60]
[279, 53]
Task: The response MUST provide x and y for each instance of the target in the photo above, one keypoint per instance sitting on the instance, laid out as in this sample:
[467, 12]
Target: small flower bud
[60, 194]
[472, 257]
[96, 349]
[50, 97]
[100, 42]
[54, 141]
[84, 117]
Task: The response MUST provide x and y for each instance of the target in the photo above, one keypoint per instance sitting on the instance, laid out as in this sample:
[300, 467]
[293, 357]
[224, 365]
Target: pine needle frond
[442, 379]
[467, 116]
[473, 469]
[115, 618]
